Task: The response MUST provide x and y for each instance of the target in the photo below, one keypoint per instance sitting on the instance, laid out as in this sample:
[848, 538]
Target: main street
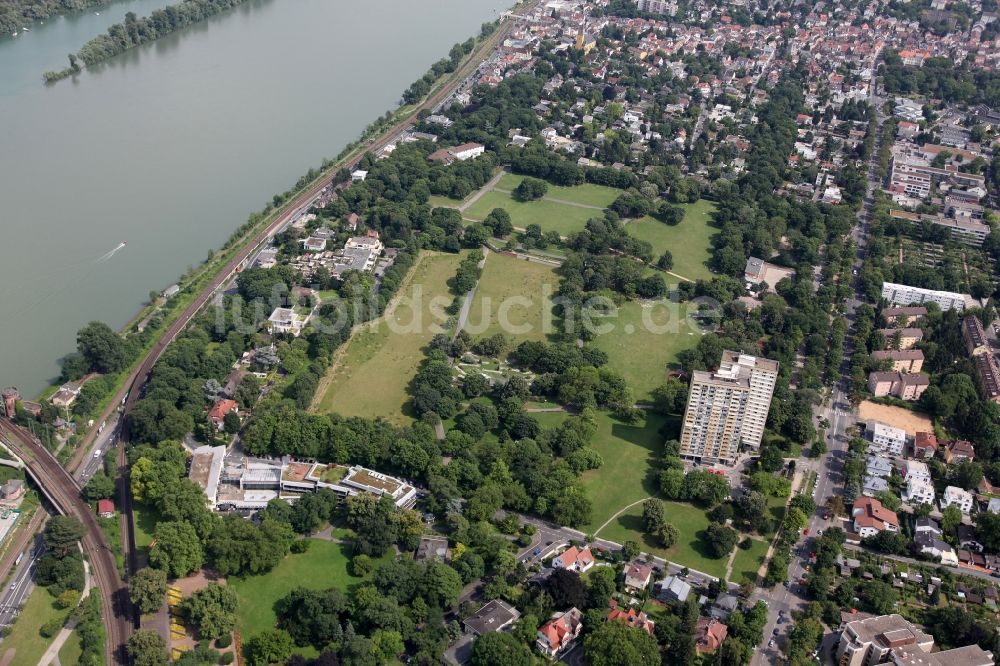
[22, 583]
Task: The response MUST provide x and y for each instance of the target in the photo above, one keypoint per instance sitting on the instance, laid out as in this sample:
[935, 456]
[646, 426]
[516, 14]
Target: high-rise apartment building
[727, 409]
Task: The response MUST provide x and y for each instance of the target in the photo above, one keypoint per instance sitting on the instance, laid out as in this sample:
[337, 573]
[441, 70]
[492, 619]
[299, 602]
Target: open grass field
[689, 241]
[645, 341]
[747, 562]
[627, 477]
[371, 374]
[549, 215]
[323, 566]
[509, 299]
[145, 518]
[71, 650]
[27, 644]
[587, 194]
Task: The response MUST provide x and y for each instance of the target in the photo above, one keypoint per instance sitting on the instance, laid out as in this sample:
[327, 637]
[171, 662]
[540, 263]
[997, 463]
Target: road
[838, 411]
[63, 492]
[21, 584]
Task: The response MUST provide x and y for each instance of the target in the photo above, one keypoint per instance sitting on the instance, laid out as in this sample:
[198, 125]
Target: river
[171, 145]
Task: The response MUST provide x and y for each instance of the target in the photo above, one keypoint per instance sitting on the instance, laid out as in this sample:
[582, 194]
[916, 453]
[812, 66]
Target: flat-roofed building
[902, 294]
[496, 615]
[869, 641]
[886, 438]
[727, 409]
[206, 469]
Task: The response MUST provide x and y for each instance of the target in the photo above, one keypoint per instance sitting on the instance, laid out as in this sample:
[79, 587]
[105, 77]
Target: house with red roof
[709, 634]
[636, 620]
[870, 517]
[924, 445]
[574, 559]
[217, 415]
[105, 508]
[559, 633]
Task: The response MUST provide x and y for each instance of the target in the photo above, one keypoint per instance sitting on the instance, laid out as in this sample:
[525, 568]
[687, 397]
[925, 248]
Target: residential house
[674, 588]
[709, 634]
[967, 538]
[915, 469]
[217, 415]
[105, 508]
[905, 386]
[932, 545]
[870, 517]
[287, 320]
[924, 445]
[868, 641]
[558, 634]
[906, 338]
[574, 559]
[903, 360]
[886, 438]
[988, 377]
[955, 496]
[466, 151]
[903, 317]
[13, 489]
[66, 395]
[495, 616]
[636, 620]
[431, 548]
[878, 466]
[874, 485]
[918, 491]
[959, 450]
[724, 606]
[974, 335]
[637, 576]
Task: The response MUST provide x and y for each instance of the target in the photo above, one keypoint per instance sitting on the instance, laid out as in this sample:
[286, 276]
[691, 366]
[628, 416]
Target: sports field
[509, 299]
[643, 340]
[689, 241]
[370, 375]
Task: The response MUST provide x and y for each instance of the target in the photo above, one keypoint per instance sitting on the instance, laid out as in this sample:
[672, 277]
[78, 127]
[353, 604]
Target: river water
[171, 145]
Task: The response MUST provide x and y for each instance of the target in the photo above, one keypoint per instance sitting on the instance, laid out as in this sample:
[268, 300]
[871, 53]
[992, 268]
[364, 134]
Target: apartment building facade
[727, 408]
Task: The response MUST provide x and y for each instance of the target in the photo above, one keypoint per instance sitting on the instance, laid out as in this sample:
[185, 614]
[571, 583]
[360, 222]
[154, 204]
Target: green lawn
[628, 475]
[372, 373]
[499, 306]
[587, 194]
[689, 241]
[71, 650]
[145, 520]
[323, 566]
[549, 215]
[689, 550]
[643, 341]
[24, 639]
[747, 562]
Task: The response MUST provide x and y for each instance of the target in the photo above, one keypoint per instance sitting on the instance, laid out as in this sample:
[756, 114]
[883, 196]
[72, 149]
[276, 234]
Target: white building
[957, 496]
[468, 151]
[901, 294]
[886, 438]
[727, 409]
[916, 469]
[918, 491]
[287, 320]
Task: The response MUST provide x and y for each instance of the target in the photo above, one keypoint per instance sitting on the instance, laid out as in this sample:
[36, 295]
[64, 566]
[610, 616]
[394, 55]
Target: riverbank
[138, 31]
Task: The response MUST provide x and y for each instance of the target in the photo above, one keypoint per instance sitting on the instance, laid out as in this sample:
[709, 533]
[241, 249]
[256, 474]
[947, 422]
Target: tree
[212, 610]
[500, 649]
[720, 539]
[566, 589]
[147, 648]
[103, 349]
[272, 646]
[630, 550]
[147, 588]
[100, 486]
[177, 550]
[617, 644]
[530, 189]
[951, 518]
[61, 534]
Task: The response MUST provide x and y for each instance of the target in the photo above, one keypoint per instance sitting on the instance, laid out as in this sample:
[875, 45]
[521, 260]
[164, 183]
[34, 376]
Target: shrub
[52, 627]
[222, 642]
[300, 546]
[227, 658]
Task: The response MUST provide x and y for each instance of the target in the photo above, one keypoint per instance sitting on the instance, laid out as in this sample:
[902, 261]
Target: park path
[51, 655]
[620, 512]
[482, 190]
[463, 315]
[565, 202]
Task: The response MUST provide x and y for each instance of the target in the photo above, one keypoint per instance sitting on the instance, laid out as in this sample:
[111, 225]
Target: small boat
[25, 29]
[14, 34]
[97, 13]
